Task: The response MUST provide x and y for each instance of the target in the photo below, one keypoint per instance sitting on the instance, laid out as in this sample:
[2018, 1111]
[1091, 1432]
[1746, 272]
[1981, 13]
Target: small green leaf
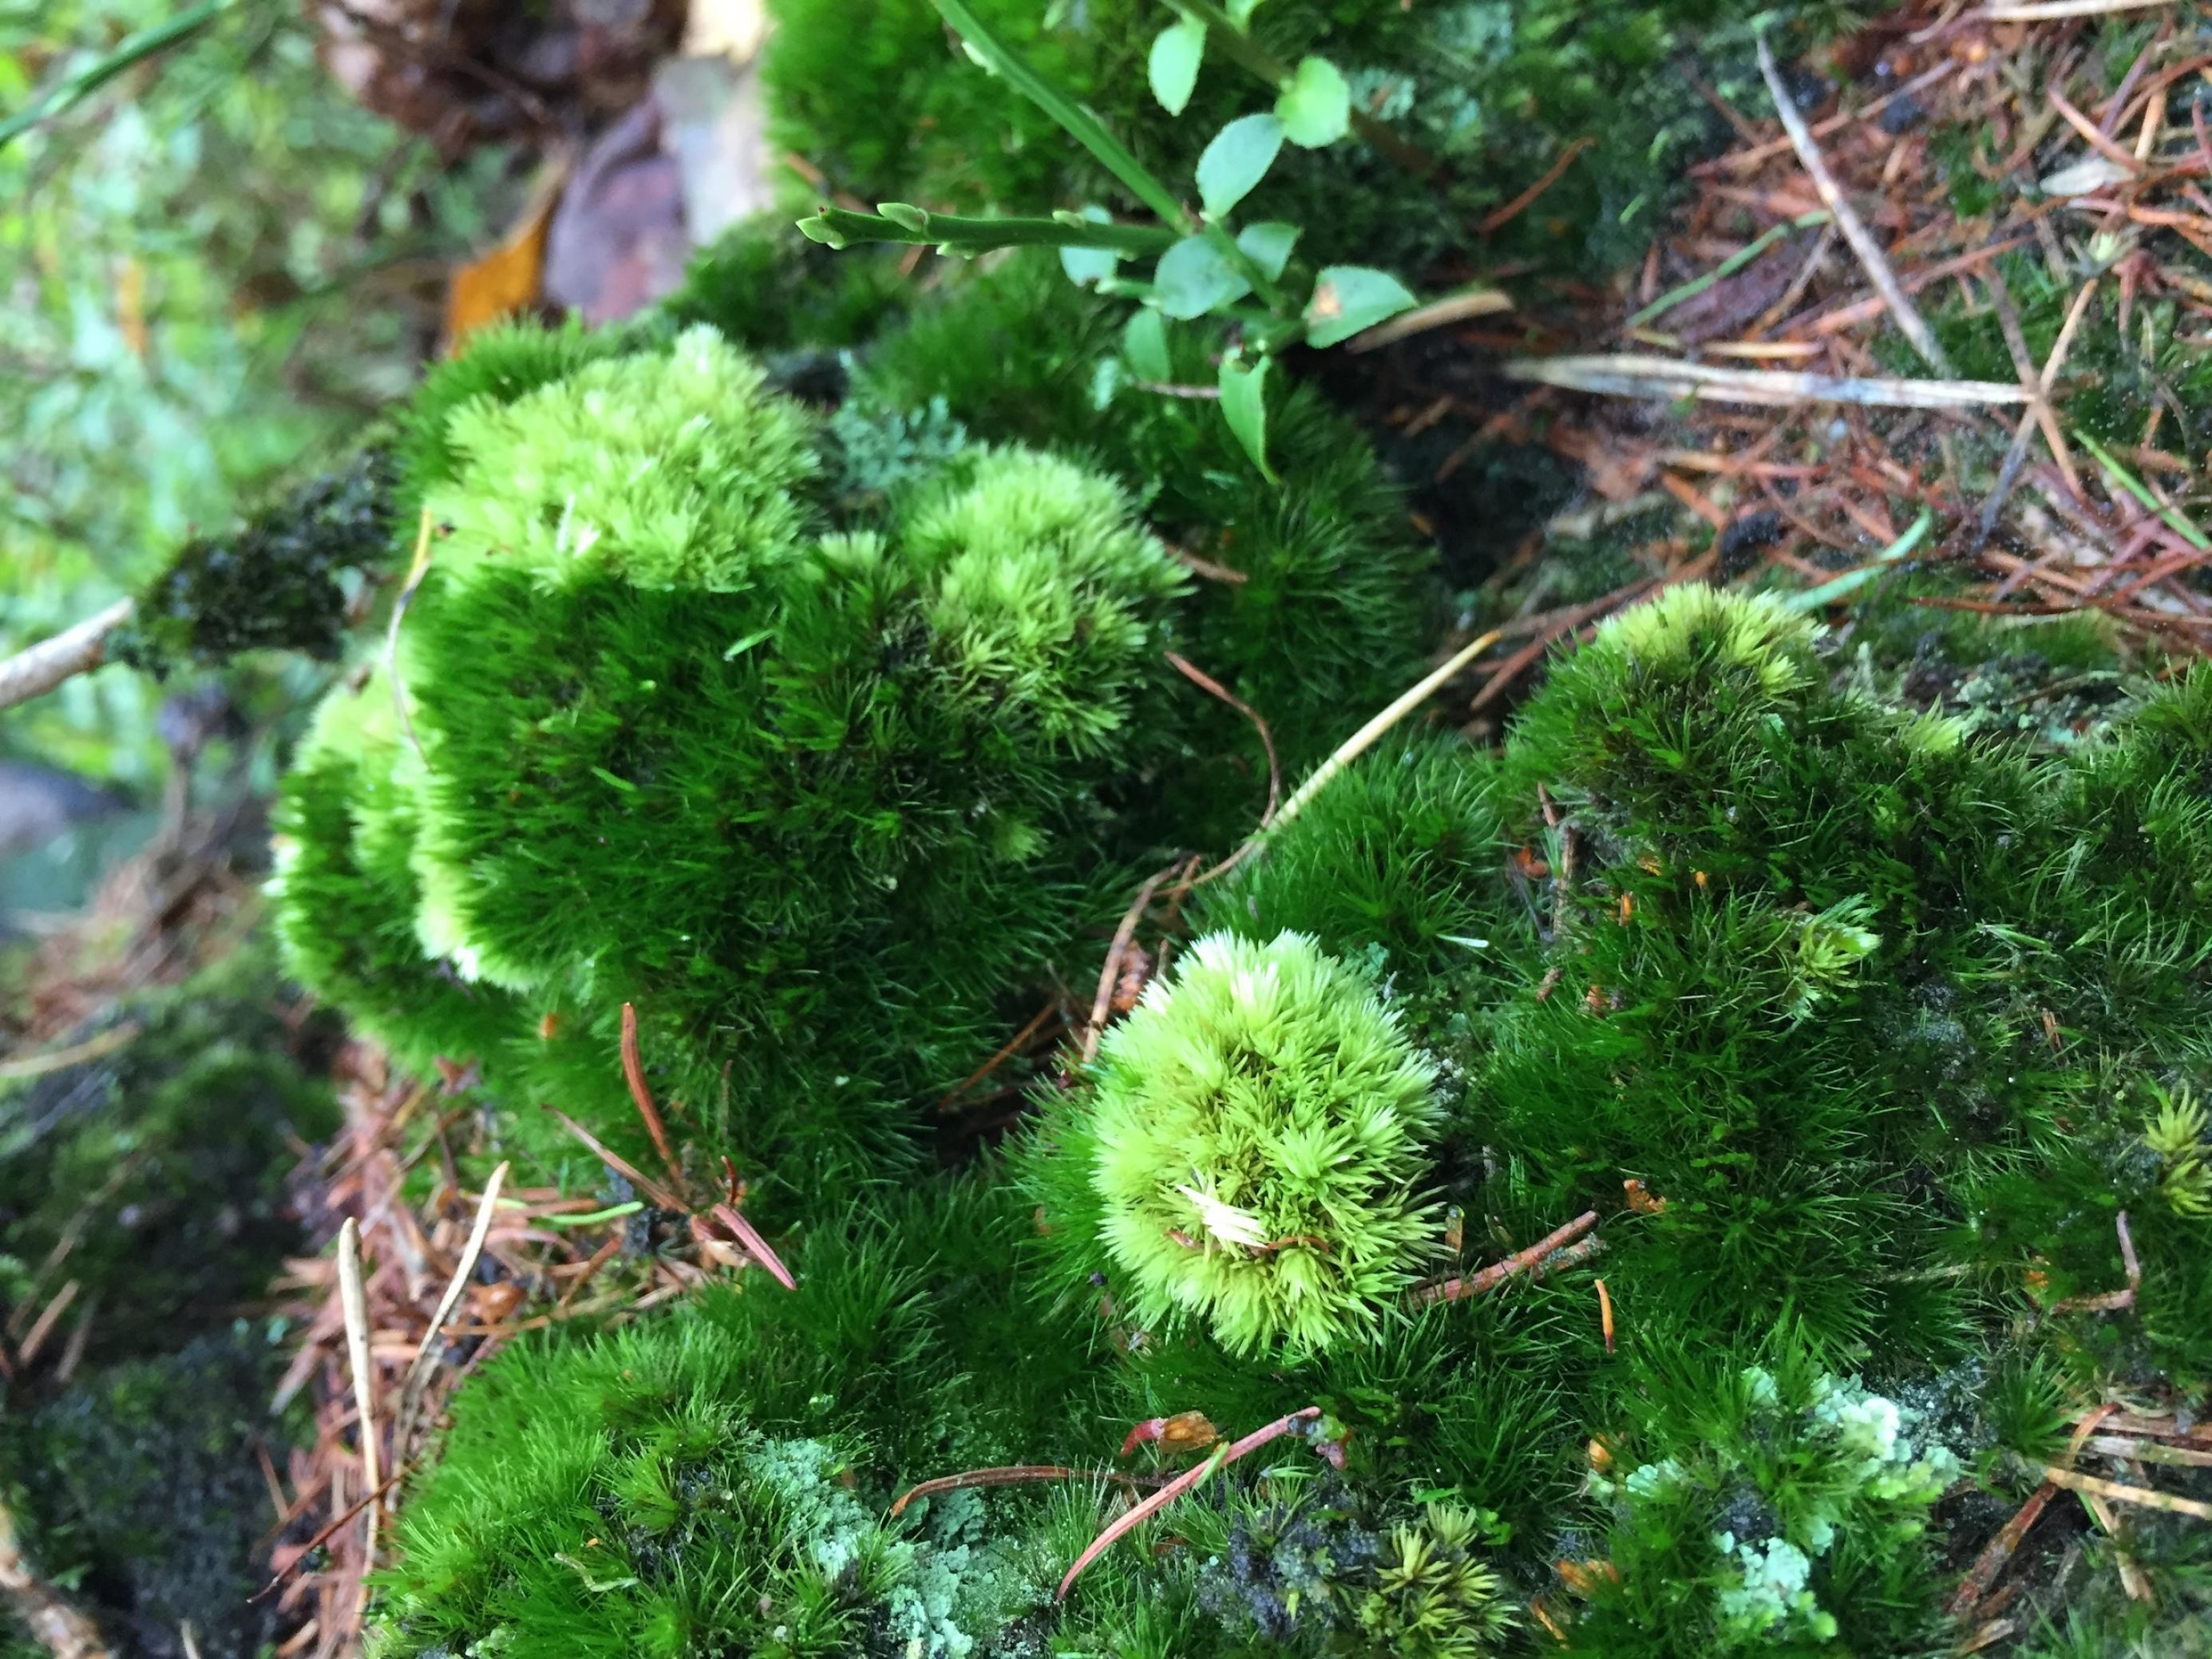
[1088, 266]
[1193, 277]
[816, 229]
[1316, 106]
[1267, 245]
[904, 214]
[1177, 49]
[1349, 298]
[1240, 12]
[1244, 406]
[1237, 159]
[1145, 344]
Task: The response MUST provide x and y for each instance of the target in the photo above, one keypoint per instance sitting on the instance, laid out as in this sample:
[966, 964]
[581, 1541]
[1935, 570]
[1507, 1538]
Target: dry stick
[320, 1539]
[2118, 1492]
[1114, 952]
[1356, 746]
[354, 1303]
[38, 669]
[2043, 10]
[1847, 219]
[1012, 1046]
[1631, 375]
[1011, 1474]
[418, 1373]
[1499, 217]
[1452, 308]
[1456, 1290]
[44, 1327]
[1206, 682]
[1998, 1550]
[634, 1074]
[52, 1618]
[75, 1054]
[1137, 1513]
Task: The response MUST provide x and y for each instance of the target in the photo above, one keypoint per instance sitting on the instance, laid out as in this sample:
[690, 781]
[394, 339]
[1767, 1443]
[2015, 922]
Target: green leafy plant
[1249, 1149]
[1203, 267]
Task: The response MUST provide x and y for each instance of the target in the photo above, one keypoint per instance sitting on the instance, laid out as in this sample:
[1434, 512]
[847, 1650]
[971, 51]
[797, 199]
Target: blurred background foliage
[216, 268]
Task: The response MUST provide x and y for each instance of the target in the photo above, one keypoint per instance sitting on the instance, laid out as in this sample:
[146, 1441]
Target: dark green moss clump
[277, 582]
[144, 1495]
[813, 790]
[156, 1174]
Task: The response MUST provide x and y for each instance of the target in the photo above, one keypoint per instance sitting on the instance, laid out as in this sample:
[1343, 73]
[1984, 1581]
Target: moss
[1250, 1144]
[142, 1486]
[1773, 1510]
[875, 748]
[278, 581]
[764, 286]
[498, 365]
[717, 1476]
[1329, 601]
[155, 1176]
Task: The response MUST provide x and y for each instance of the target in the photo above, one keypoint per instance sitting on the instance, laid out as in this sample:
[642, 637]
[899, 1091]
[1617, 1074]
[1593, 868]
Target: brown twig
[1136, 1514]
[633, 1067]
[1206, 682]
[1499, 217]
[1012, 1474]
[1096, 1025]
[1871, 257]
[1458, 1290]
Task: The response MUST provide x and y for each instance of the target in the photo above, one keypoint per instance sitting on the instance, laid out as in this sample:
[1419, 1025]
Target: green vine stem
[898, 222]
[1090, 132]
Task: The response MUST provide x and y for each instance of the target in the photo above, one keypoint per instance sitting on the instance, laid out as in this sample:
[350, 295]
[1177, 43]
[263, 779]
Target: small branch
[38, 669]
[418, 1371]
[1451, 308]
[1458, 1290]
[1998, 1550]
[1498, 218]
[634, 1074]
[838, 228]
[1206, 682]
[1356, 746]
[52, 1620]
[2120, 1492]
[1114, 952]
[1012, 1474]
[1630, 375]
[1136, 1514]
[354, 1302]
[1847, 219]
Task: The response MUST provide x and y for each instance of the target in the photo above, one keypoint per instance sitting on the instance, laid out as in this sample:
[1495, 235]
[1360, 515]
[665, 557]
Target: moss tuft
[277, 582]
[1251, 1139]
